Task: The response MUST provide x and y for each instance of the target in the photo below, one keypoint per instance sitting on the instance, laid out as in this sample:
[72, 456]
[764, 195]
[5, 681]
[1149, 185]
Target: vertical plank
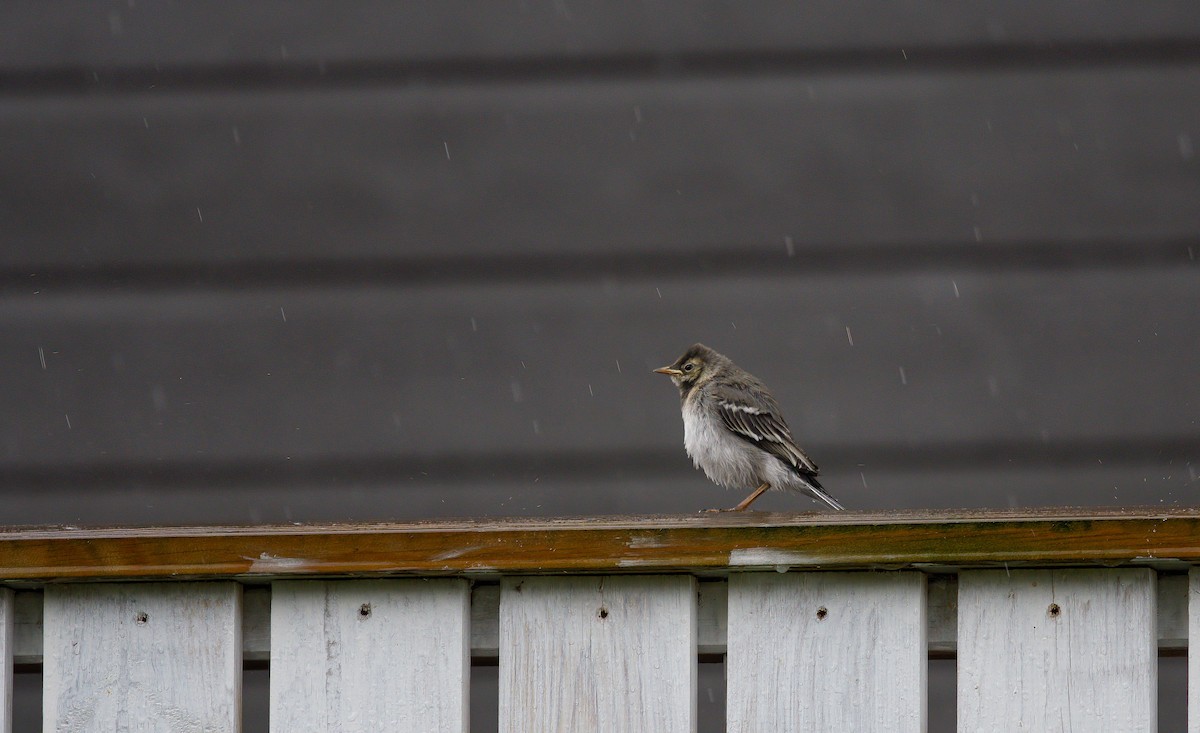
[826, 651]
[1193, 701]
[152, 657]
[370, 655]
[7, 625]
[1057, 650]
[588, 654]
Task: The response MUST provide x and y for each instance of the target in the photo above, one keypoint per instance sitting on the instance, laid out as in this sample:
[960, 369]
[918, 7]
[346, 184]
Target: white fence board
[1193, 654]
[7, 625]
[826, 651]
[150, 657]
[1057, 650]
[605, 653]
[370, 655]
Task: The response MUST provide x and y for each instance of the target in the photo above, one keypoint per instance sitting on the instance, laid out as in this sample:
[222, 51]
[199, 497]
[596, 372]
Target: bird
[735, 432]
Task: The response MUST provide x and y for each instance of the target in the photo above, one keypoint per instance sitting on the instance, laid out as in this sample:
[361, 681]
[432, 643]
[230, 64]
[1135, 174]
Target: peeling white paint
[645, 540]
[266, 563]
[636, 562]
[766, 557]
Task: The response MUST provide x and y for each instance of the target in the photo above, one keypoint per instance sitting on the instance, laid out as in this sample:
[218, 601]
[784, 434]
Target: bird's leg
[747, 501]
[750, 499]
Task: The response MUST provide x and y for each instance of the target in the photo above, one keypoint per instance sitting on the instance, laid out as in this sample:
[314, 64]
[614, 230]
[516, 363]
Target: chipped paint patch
[638, 541]
[268, 563]
[766, 557]
[637, 562]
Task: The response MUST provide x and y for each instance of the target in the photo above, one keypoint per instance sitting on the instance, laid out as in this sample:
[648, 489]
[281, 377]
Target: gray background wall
[284, 261]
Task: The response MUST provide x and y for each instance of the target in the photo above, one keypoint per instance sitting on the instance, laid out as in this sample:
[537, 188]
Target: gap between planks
[942, 595]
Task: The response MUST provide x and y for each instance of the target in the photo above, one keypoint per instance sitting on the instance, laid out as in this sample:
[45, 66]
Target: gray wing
[753, 416]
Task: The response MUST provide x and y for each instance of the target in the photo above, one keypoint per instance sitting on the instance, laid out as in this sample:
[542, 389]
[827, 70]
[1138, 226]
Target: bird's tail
[813, 488]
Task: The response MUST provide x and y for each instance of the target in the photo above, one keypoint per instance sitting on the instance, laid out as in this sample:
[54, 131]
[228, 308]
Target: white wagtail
[733, 429]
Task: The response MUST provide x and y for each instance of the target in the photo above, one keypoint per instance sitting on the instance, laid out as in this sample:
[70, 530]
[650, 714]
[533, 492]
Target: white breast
[725, 459]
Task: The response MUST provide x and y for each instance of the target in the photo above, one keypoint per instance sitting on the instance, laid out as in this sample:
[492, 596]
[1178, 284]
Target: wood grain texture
[7, 648]
[827, 651]
[304, 33]
[598, 654]
[370, 655]
[1057, 650]
[1193, 701]
[158, 657]
[1166, 538]
[888, 159]
[711, 619]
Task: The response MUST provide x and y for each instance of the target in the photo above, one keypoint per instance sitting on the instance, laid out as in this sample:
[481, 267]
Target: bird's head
[697, 363]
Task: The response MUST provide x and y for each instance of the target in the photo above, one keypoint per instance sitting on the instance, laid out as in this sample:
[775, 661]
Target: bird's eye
[688, 367]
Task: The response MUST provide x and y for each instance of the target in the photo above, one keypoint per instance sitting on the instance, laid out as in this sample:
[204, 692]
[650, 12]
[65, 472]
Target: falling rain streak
[849, 336]
[903, 376]
[42, 357]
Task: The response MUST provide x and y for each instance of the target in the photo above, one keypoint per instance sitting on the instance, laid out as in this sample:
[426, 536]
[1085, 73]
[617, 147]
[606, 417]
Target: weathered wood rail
[1056, 617]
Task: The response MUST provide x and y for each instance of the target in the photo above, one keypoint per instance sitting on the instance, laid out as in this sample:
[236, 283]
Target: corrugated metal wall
[308, 260]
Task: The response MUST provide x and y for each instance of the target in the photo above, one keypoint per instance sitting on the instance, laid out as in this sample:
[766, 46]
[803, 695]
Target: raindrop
[146, 123]
[68, 417]
[199, 215]
[618, 365]
[903, 376]
[904, 54]
[42, 357]
[537, 429]
[660, 292]
[791, 246]
[863, 476]
[517, 395]
[849, 336]
[590, 392]
[237, 136]
[446, 145]
[282, 314]
[978, 234]
[955, 284]
[475, 326]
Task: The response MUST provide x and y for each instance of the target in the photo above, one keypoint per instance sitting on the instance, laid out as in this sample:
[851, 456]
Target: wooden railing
[1056, 618]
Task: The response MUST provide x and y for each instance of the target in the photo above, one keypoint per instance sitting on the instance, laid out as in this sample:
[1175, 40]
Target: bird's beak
[669, 371]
